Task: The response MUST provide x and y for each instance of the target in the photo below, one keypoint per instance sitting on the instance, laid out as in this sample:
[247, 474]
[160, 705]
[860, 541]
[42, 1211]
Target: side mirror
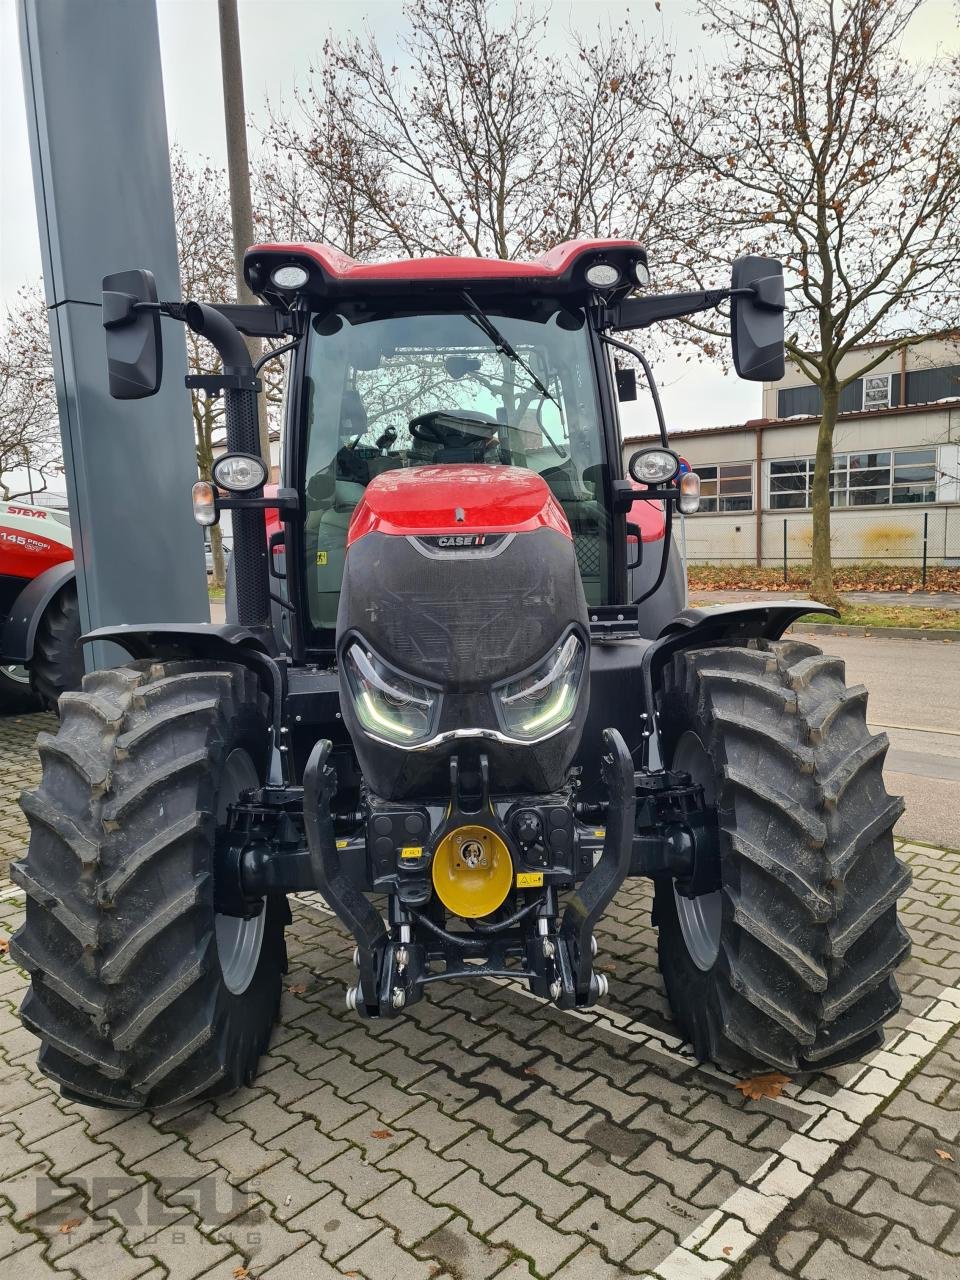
[626, 384]
[134, 347]
[756, 328]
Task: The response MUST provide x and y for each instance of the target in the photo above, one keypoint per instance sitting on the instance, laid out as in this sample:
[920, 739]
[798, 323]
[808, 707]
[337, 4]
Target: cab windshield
[397, 391]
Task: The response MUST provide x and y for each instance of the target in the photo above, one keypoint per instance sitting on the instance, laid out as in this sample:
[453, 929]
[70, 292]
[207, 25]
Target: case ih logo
[461, 542]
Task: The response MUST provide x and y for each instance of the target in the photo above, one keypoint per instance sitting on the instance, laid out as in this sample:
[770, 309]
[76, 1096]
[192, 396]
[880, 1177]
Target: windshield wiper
[483, 321]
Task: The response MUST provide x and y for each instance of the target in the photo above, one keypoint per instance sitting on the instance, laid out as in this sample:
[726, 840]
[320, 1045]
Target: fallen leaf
[240, 1273]
[297, 988]
[381, 1133]
[71, 1224]
[768, 1085]
[4, 946]
[944, 1155]
[728, 1249]
[531, 1071]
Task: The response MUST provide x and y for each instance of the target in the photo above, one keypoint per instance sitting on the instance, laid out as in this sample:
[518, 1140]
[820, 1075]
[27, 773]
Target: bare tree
[816, 140]
[29, 426]
[482, 143]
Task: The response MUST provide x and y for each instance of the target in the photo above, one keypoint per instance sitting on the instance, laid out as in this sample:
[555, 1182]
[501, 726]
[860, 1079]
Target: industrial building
[896, 474]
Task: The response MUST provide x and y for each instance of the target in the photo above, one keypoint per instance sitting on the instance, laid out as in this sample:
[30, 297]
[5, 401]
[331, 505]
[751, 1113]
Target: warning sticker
[529, 879]
[321, 557]
[411, 851]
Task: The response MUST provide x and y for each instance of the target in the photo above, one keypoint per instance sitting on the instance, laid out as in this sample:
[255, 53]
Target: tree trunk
[218, 578]
[821, 587]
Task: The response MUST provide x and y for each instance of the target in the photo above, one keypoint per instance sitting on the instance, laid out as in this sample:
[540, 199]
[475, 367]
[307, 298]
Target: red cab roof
[560, 269]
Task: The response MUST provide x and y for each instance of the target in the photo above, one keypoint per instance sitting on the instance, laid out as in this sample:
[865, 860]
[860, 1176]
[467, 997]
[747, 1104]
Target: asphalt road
[914, 688]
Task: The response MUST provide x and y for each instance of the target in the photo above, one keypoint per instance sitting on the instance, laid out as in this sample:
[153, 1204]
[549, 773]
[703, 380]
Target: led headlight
[390, 706]
[290, 277]
[654, 466]
[541, 701]
[641, 273]
[602, 275]
[240, 472]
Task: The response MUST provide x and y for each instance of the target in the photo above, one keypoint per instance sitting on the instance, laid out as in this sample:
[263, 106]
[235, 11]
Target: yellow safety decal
[529, 879]
[342, 844]
[411, 851]
[321, 557]
[599, 834]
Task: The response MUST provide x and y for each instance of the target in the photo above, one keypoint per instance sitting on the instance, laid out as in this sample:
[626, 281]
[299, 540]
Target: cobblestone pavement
[486, 1134]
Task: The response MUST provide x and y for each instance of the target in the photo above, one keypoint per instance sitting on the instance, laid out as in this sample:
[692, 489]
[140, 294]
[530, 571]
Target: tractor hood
[462, 621]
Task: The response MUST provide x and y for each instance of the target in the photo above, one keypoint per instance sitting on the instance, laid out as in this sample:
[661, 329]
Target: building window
[858, 479]
[876, 391]
[727, 487]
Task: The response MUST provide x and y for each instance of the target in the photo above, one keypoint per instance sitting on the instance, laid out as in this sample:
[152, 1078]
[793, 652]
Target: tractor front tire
[141, 994]
[57, 663]
[790, 963]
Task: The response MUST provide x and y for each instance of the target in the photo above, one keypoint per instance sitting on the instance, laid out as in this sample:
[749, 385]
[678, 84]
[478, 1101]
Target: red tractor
[40, 653]
[462, 698]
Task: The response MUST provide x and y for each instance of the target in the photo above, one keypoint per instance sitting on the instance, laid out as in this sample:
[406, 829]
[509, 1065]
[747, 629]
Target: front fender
[207, 641]
[727, 624]
[20, 628]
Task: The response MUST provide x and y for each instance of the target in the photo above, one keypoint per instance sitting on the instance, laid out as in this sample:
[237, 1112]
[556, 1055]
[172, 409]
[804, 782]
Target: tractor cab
[449, 361]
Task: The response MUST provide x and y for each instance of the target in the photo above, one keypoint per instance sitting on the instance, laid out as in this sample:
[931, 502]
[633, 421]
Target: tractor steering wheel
[446, 427]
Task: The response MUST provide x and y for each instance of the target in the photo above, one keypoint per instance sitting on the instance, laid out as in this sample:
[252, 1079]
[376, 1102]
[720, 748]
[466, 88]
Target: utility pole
[238, 170]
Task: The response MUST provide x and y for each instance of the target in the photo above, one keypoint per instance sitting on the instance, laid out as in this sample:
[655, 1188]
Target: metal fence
[884, 535]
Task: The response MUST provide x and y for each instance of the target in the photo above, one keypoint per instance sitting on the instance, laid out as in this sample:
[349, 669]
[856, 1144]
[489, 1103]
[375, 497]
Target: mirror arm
[651, 381]
[640, 313]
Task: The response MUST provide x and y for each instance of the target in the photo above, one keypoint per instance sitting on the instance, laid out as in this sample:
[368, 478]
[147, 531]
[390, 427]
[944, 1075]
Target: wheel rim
[238, 941]
[20, 675]
[700, 918]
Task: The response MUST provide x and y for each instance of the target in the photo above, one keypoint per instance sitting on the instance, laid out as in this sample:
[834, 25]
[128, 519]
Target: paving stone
[926, 1221]
[493, 1161]
[14, 1238]
[106, 1255]
[307, 1145]
[619, 1186]
[334, 1225]
[32, 1265]
[526, 1233]
[382, 1256]
[183, 1250]
[410, 1216]
[425, 1170]
[306, 1264]
[549, 1195]
[900, 1249]
[619, 1236]
[556, 1152]
[462, 1253]
[439, 1130]
[287, 1189]
[501, 1122]
[482, 1208]
[830, 1262]
[358, 1180]
[242, 1156]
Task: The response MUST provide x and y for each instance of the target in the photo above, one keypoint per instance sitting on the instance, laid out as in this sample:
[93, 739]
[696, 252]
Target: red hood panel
[456, 498]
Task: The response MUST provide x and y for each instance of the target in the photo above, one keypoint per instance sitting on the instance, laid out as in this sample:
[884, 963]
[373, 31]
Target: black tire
[128, 993]
[16, 696]
[806, 919]
[57, 663]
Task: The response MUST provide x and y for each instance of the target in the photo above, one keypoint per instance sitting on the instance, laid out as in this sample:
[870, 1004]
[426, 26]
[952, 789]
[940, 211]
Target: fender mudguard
[700, 628]
[20, 628]
[207, 641]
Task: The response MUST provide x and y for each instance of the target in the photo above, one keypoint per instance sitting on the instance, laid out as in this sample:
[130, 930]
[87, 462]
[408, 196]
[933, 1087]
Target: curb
[945, 635]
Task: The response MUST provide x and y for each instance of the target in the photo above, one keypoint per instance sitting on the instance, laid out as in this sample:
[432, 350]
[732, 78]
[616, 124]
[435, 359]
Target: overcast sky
[280, 39]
